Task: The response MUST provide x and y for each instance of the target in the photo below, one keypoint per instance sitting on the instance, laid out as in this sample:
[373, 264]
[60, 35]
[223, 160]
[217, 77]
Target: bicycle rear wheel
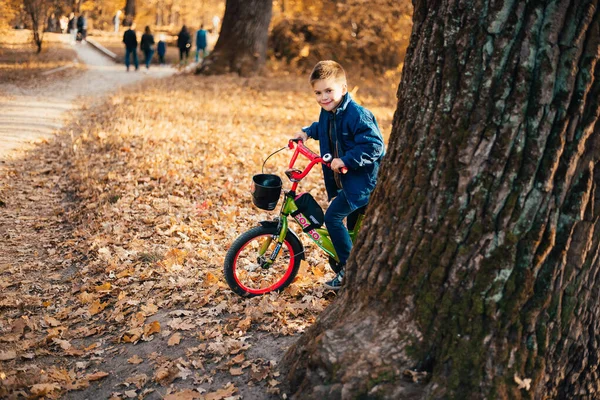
[248, 270]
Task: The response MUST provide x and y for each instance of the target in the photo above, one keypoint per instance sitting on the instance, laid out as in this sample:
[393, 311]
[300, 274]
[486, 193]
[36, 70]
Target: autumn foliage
[153, 186]
[370, 35]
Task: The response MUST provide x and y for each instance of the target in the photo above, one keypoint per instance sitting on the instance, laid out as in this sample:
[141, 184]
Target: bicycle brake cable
[273, 153]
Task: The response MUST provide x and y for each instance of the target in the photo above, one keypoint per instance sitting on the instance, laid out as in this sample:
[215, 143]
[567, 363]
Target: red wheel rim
[272, 287]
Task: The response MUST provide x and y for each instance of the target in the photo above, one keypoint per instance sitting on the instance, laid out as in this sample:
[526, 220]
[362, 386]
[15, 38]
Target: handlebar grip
[296, 140]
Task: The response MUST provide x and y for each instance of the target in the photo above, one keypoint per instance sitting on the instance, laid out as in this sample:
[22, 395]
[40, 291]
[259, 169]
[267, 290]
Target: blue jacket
[360, 146]
[201, 39]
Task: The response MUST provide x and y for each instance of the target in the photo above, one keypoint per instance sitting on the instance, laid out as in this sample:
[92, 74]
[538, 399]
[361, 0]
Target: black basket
[266, 189]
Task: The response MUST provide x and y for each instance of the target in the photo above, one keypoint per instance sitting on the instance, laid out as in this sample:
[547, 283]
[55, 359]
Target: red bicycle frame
[296, 175]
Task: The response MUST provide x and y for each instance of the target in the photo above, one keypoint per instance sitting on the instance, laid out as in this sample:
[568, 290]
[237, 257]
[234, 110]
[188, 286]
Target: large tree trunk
[242, 43]
[129, 12]
[479, 261]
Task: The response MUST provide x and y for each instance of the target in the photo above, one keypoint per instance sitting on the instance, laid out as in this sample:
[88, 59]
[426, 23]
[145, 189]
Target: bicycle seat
[292, 172]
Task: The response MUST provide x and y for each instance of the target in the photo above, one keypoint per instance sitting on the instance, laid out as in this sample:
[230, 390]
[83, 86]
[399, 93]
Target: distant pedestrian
[147, 46]
[130, 40]
[72, 27]
[82, 25]
[64, 23]
[201, 43]
[184, 42]
[52, 23]
[161, 48]
[116, 20]
[216, 21]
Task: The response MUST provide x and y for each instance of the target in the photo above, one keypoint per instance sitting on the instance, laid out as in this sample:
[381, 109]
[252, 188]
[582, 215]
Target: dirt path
[54, 341]
[28, 115]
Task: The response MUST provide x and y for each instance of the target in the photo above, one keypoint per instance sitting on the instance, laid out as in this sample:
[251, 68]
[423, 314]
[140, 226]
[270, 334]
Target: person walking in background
[52, 23]
[64, 23]
[82, 25]
[72, 27]
[201, 42]
[161, 48]
[130, 40]
[116, 20]
[147, 46]
[184, 42]
[216, 21]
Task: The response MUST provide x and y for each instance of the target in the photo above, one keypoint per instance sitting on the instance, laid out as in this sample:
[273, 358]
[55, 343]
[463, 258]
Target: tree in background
[478, 269]
[129, 12]
[38, 11]
[9, 9]
[372, 36]
[242, 43]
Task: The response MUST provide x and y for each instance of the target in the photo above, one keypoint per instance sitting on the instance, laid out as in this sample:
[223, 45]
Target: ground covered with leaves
[114, 236]
[21, 64]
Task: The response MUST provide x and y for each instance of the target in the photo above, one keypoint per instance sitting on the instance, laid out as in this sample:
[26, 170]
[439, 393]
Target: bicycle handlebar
[312, 156]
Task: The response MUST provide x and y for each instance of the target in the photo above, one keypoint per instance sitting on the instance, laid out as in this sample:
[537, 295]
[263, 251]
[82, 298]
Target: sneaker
[335, 283]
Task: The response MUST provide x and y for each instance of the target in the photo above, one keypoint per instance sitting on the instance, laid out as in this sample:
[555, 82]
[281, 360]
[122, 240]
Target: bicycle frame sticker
[301, 219]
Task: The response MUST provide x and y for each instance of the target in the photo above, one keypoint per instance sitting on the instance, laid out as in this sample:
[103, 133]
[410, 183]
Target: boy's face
[329, 92]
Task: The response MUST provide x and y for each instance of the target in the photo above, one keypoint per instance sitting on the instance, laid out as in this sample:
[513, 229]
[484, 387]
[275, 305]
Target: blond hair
[327, 69]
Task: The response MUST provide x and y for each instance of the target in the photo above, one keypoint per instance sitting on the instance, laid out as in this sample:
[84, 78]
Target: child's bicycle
[267, 258]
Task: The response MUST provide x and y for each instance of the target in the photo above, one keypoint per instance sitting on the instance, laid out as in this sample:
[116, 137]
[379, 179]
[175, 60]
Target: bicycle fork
[282, 228]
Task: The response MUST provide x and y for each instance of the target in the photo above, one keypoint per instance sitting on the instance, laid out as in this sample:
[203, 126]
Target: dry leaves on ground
[158, 183]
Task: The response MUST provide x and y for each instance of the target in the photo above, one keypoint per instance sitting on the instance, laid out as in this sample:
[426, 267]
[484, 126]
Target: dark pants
[148, 57]
[161, 58]
[334, 221]
[185, 51]
[133, 52]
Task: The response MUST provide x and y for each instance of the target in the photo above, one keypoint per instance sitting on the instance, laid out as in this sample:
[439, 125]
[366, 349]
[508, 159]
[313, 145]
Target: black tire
[243, 270]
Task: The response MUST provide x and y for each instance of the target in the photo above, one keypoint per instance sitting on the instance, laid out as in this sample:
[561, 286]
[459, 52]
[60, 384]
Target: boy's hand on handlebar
[300, 136]
[338, 165]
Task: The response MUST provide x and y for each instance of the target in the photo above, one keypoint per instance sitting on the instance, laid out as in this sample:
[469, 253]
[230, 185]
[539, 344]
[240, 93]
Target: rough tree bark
[479, 261]
[242, 43]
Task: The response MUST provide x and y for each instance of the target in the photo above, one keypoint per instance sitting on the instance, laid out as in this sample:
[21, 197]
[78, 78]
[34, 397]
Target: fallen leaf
[138, 380]
[228, 391]
[135, 360]
[97, 307]
[187, 394]
[245, 324]
[64, 344]
[43, 389]
[152, 327]
[105, 287]
[175, 339]
[236, 371]
[149, 309]
[8, 355]
[239, 358]
[96, 376]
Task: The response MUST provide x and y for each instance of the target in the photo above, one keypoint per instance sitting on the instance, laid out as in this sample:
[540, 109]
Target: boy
[351, 135]
[161, 48]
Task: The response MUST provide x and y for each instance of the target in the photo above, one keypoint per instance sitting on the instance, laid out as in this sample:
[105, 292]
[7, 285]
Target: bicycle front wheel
[249, 270]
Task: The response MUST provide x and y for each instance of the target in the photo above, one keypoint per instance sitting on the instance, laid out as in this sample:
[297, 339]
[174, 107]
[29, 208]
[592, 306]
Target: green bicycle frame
[320, 236]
